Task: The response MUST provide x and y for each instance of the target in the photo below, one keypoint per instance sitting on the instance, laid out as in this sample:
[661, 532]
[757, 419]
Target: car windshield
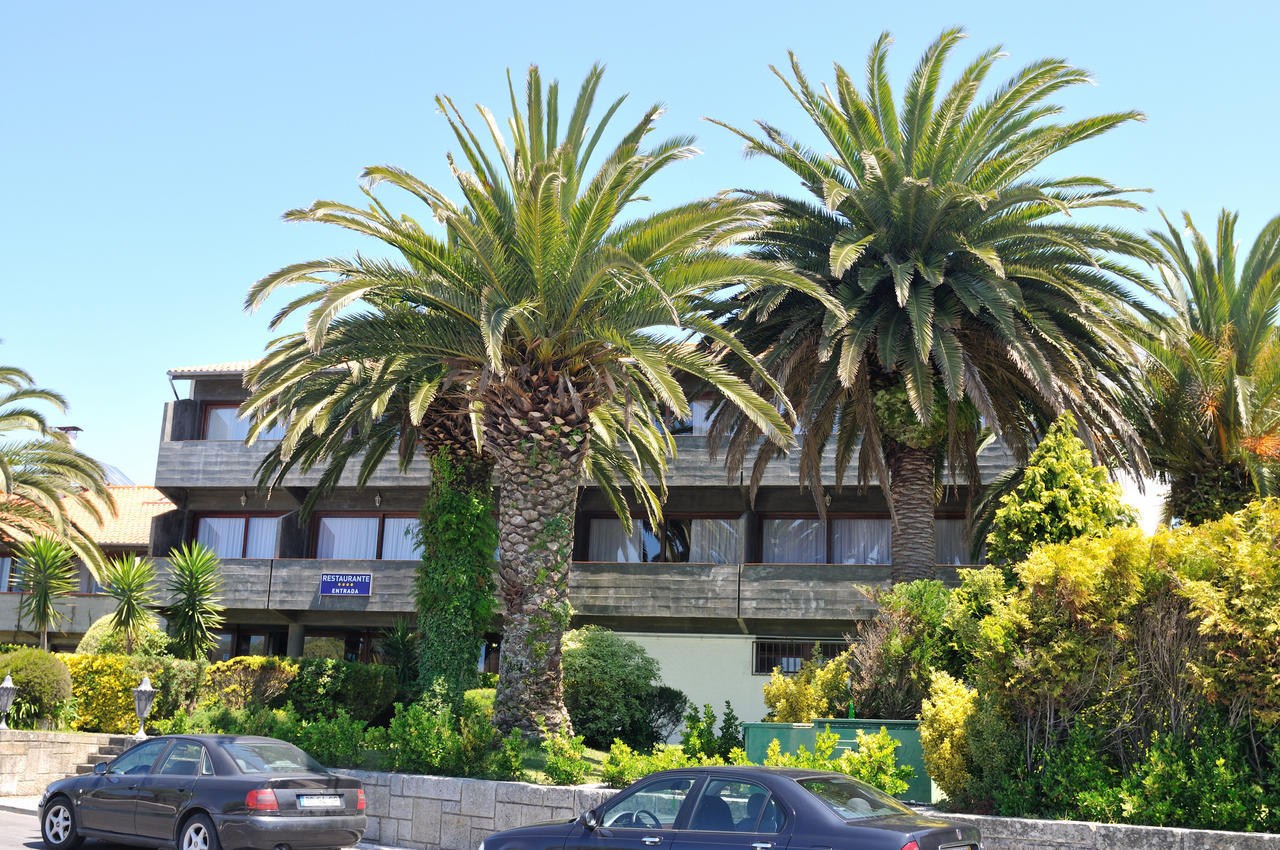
[852, 800]
[270, 757]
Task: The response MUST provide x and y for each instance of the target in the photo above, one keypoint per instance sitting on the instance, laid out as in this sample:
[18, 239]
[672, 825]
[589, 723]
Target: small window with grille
[788, 655]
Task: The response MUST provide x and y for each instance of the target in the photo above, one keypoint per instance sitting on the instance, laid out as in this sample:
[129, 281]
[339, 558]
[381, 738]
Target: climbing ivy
[455, 584]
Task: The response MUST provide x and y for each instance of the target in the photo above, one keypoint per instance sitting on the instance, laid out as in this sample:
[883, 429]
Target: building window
[223, 422]
[239, 536]
[678, 540]
[794, 541]
[9, 580]
[367, 538]
[698, 422]
[788, 655]
[952, 545]
[861, 541]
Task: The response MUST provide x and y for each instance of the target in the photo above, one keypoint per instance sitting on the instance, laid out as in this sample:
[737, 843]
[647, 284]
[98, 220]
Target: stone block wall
[31, 760]
[442, 813]
[1025, 834]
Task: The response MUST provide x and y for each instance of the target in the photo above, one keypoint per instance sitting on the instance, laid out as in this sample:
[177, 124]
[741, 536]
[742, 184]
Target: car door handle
[762, 845]
[652, 840]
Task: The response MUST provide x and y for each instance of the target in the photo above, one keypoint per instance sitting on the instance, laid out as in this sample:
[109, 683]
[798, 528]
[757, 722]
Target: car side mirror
[588, 819]
[100, 769]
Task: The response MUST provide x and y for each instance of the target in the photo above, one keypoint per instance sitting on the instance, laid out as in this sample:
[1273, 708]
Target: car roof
[224, 739]
[755, 770]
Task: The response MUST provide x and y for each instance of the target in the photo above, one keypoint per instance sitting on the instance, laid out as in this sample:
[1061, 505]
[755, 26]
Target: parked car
[716, 808]
[206, 792]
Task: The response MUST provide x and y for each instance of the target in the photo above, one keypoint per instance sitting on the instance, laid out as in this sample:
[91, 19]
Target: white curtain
[953, 548]
[794, 541]
[400, 539]
[349, 538]
[700, 417]
[714, 541]
[861, 541]
[224, 423]
[6, 565]
[223, 534]
[607, 542]
[263, 531]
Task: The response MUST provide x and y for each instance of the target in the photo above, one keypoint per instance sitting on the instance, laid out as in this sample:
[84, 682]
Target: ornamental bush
[942, 734]
[43, 683]
[819, 689]
[609, 689]
[101, 639]
[427, 737]
[248, 681]
[178, 682]
[323, 687]
[103, 689]
[566, 762]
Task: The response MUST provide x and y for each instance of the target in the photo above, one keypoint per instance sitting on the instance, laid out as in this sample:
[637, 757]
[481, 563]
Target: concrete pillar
[293, 646]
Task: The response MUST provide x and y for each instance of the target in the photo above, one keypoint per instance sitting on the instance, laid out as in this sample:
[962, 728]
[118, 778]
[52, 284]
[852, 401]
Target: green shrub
[942, 734]
[178, 683]
[699, 737]
[427, 737]
[334, 742]
[324, 686]
[101, 639]
[43, 682]
[873, 760]
[102, 686]
[667, 708]
[478, 702]
[624, 765]
[248, 681]
[566, 759]
[608, 683]
[819, 689]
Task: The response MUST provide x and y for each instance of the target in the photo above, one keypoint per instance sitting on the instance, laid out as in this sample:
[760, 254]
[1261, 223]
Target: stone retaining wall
[31, 760]
[442, 813]
[1021, 834]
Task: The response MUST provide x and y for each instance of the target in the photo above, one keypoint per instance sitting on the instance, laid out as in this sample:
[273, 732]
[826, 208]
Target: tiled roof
[131, 526]
[235, 367]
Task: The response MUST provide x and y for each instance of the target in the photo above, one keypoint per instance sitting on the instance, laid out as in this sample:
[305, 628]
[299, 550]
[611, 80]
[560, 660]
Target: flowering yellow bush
[102, 686]
[942, 733]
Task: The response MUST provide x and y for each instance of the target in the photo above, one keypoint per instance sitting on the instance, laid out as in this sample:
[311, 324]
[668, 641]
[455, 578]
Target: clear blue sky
[149, 149]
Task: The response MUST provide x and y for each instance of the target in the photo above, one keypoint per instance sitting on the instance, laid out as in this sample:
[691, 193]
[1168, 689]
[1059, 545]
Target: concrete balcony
[80, 609]
[218, 464]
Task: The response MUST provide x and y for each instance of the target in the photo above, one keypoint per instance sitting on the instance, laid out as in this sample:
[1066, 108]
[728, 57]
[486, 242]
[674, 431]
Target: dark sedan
[206, 792]
[719, 808]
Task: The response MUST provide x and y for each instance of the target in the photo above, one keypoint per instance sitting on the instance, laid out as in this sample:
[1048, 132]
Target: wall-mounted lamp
[377, 499]
[244, 498]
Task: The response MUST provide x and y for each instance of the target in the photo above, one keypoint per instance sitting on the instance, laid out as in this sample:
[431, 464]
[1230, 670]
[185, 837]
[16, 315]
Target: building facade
[722, 592]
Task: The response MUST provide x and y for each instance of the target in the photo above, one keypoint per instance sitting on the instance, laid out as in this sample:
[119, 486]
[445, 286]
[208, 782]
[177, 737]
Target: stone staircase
[115, 745]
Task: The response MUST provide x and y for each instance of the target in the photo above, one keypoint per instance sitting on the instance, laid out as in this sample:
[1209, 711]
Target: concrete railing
[1021, 833]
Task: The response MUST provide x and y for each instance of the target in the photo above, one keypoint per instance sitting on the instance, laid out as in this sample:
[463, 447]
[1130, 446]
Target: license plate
[314, 801]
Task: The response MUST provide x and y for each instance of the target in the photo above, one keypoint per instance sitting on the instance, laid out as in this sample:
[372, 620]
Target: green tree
[551, 316]
[195, 609]
[47, 575]
[1213, 378]
[131, 583]
[40, 472]
[970, 294]
[1060, 496]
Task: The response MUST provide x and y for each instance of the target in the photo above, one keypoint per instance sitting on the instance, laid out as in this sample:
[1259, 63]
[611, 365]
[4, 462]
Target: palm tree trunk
[913, 489]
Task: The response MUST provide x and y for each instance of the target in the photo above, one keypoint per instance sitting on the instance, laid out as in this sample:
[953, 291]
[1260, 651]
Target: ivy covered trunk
[539, 436]
[455, 584]
[913, 488]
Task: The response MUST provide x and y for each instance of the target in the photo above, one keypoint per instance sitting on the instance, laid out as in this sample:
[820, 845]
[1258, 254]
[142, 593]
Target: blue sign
[345, 584]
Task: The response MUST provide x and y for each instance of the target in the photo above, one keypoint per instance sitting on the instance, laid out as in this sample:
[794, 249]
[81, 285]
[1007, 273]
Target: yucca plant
[40, 472]
[969, 295]
[47, 574]
[130, 581]
[1213, 378]
[545, 309]
[195, 608]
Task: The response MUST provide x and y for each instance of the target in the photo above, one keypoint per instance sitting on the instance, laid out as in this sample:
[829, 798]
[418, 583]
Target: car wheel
[198, 834]
[58, 826]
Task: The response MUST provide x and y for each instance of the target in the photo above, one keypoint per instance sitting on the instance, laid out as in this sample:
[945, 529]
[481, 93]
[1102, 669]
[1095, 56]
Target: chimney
[72, 432]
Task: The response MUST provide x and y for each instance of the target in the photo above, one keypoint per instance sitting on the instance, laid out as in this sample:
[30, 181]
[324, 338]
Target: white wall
[709, 669]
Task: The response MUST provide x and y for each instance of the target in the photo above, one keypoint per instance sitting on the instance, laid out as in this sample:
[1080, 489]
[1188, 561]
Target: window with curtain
[699, 419]
[8, 577]
[794, 541]
[952, 546]
[861, 541]
[228, 537]
[347, 538]
[399, 539]
[608, 542]
[223, 422]
[714, 541]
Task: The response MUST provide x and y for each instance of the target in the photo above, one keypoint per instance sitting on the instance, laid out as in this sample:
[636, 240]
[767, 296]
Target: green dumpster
[792, 736]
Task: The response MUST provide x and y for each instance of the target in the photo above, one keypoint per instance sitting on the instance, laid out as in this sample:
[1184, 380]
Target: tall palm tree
[195, 607]
[1214, 373]
[130, 581]
[47, 575]
[968, 294]
[546, 311]
[40, 472]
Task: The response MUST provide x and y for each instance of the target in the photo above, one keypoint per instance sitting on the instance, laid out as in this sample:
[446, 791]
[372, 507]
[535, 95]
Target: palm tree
[968, 296]
[195, 609]
[40, 472]
[545, 311]
[1214, 374]
[47, 575]
[130, 582]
